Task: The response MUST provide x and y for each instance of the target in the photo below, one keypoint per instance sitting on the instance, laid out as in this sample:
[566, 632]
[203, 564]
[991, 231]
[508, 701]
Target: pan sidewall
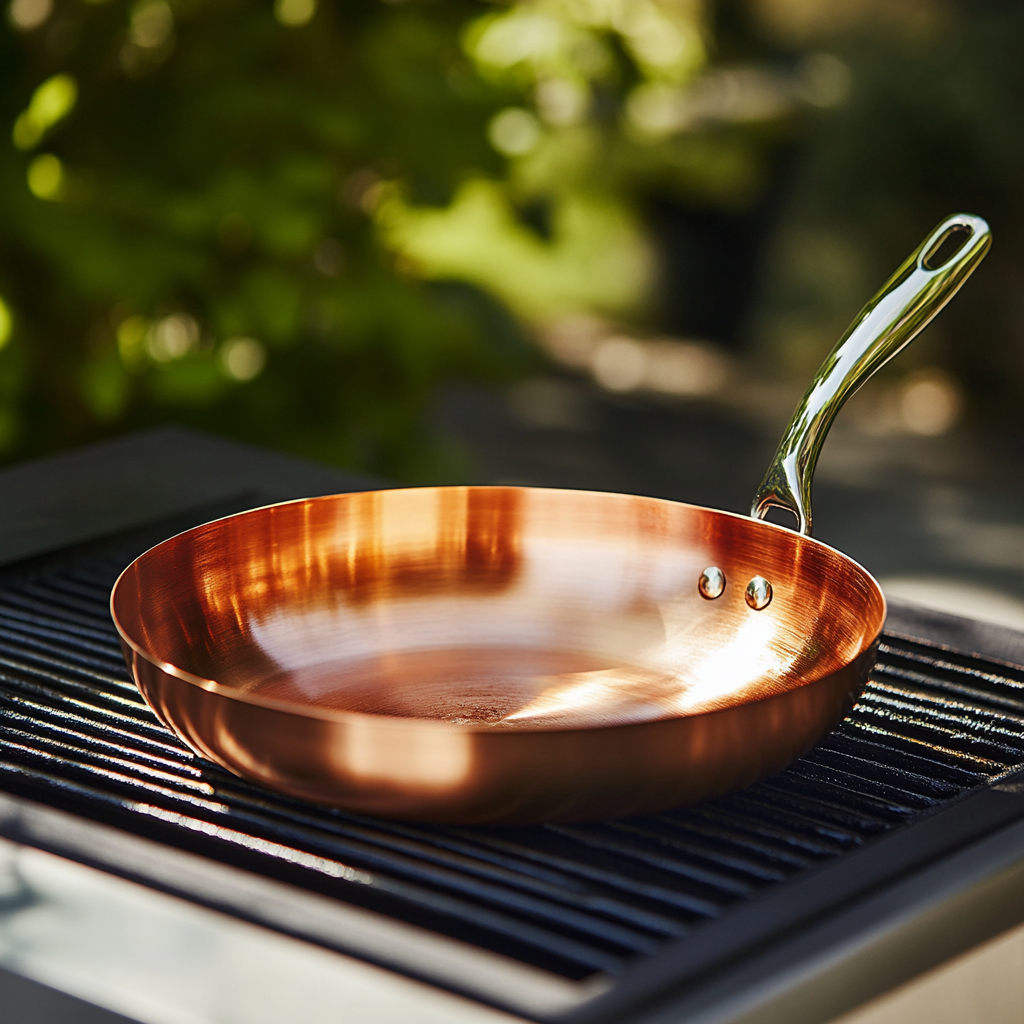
[510, 778]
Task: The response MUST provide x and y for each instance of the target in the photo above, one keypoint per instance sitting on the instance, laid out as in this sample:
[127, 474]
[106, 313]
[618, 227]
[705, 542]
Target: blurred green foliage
[289, 221]
[184, 227]
[258, 218]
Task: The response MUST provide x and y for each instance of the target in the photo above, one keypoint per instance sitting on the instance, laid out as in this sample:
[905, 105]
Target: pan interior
[495, 608]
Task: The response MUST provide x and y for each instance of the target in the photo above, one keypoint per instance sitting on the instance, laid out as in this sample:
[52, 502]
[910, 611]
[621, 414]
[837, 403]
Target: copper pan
[515, 655]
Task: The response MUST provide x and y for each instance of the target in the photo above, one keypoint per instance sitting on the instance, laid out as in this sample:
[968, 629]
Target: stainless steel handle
[885, 326]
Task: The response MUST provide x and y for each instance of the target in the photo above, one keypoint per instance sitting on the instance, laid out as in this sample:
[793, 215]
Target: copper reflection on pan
[479, 654]
[375, 545]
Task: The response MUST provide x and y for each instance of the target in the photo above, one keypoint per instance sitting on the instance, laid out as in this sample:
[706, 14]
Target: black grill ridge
[74, 732]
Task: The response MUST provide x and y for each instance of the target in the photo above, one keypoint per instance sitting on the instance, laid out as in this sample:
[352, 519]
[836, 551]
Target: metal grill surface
[575, 899]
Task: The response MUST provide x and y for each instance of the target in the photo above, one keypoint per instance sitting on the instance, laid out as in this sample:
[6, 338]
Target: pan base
[497, 687]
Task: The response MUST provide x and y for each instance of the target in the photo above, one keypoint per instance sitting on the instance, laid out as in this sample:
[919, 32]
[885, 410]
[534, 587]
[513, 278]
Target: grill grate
[575, 899]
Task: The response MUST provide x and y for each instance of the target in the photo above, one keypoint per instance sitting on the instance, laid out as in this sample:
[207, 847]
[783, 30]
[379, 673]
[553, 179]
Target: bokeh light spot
[131, 340]
[6, 323]
[687, 369]
[825, 80]
[620, 364]
[669, 45]
[50, 103]
[172, 337]
[46, 177]
[243, 359]
[656, 108]
[513, 131]
[521, 35]
[152, 24]
[930, 403]
[294, 13]
[29, 14]
[561, 101]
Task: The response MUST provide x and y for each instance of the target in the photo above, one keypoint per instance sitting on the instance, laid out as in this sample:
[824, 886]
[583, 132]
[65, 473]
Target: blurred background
[584, 243]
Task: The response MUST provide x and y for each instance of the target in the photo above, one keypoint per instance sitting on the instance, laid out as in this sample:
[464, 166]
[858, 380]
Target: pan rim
[402, 723]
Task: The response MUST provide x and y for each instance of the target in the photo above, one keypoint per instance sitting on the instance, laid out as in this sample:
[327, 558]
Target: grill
[910, 814]
[578, 901]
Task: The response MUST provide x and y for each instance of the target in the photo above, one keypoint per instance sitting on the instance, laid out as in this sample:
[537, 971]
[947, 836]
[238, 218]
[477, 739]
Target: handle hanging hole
[779, 515]
[946, 246]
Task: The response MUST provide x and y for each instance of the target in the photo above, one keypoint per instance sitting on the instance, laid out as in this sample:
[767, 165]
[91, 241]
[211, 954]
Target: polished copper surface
[496, 654]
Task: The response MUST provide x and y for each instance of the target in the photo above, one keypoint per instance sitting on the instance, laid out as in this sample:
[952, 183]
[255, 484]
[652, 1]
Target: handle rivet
[711, 583]
[759, 593]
